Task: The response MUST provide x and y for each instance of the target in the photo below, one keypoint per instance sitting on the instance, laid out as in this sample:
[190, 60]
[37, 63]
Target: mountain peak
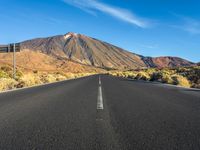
[71, 34]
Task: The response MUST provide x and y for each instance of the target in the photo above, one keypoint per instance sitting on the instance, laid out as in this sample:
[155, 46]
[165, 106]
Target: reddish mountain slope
[162, 62]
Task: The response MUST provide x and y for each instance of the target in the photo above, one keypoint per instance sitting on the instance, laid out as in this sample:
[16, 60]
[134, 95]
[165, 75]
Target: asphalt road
[100, 114]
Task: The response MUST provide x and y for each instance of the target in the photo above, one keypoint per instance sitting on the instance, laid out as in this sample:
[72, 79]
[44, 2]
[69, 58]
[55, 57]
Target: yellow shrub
[181, 81]
[77, 75]
[29, 80]
[49, 78]
[142, 76]
[60, 77]
[7, 84]
[3, 74]
[69, 76]
[167, 79]
[150, 71]
[126, 74]
[129, 74]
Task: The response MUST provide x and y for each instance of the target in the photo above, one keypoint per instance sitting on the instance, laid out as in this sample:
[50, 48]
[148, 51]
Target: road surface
[100, 113]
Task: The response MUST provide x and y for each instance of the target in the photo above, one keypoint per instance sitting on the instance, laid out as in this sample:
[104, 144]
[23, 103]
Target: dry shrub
[181, 81]
[126, 74]
[3, 74]
[7, 84]
[9, 72]
[48, 78]
[29, 80]
[69, 75]
[112, 73]
[117, 74]
[150, 71]
[167, 79]
[60, 77]
[162, 76]
[183, 76]
[33, 78]
[19, 74]
[142, 76]
[156, 76]
[78, 75]
[129, 74]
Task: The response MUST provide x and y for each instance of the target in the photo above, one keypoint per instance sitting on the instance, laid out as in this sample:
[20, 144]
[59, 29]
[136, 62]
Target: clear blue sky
[146, 27]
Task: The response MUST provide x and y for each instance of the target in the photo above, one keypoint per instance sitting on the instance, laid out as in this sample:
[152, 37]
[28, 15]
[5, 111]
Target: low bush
[181, 81]
[156, 76]
[142, 76]
[130, 74]
[29, 80]
[3, 74]
[7, 84]
[69, 75]
[182, 76]
[167, 79]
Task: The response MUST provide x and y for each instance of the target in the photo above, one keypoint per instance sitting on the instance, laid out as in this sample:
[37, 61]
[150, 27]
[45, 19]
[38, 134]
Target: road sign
[3, 48]
[13, 48]
[10, 48]
[16, 49]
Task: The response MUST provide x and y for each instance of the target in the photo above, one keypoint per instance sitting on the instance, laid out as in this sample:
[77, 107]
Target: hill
[36, 61]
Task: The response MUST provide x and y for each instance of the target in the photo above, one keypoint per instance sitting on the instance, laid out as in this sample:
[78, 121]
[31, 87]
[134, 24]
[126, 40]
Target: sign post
[14, 62]
[13, 48]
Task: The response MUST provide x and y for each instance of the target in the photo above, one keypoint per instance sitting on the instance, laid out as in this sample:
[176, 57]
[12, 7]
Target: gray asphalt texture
[137, 115]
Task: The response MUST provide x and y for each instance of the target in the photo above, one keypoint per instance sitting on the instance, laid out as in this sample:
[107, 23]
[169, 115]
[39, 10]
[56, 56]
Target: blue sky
[147, 27]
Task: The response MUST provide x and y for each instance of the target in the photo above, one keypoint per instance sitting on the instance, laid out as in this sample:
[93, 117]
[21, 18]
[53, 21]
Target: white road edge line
[99, 81]
[100, 97]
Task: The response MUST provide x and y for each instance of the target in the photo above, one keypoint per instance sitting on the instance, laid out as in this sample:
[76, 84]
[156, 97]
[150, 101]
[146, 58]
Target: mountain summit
[90, 51]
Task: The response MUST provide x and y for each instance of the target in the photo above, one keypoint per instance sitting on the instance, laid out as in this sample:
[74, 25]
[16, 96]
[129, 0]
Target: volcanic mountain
[92, 52]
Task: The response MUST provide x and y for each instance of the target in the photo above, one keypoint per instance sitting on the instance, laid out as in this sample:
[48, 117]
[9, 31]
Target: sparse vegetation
[31, 78]
[7, 84]
[182, 76]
